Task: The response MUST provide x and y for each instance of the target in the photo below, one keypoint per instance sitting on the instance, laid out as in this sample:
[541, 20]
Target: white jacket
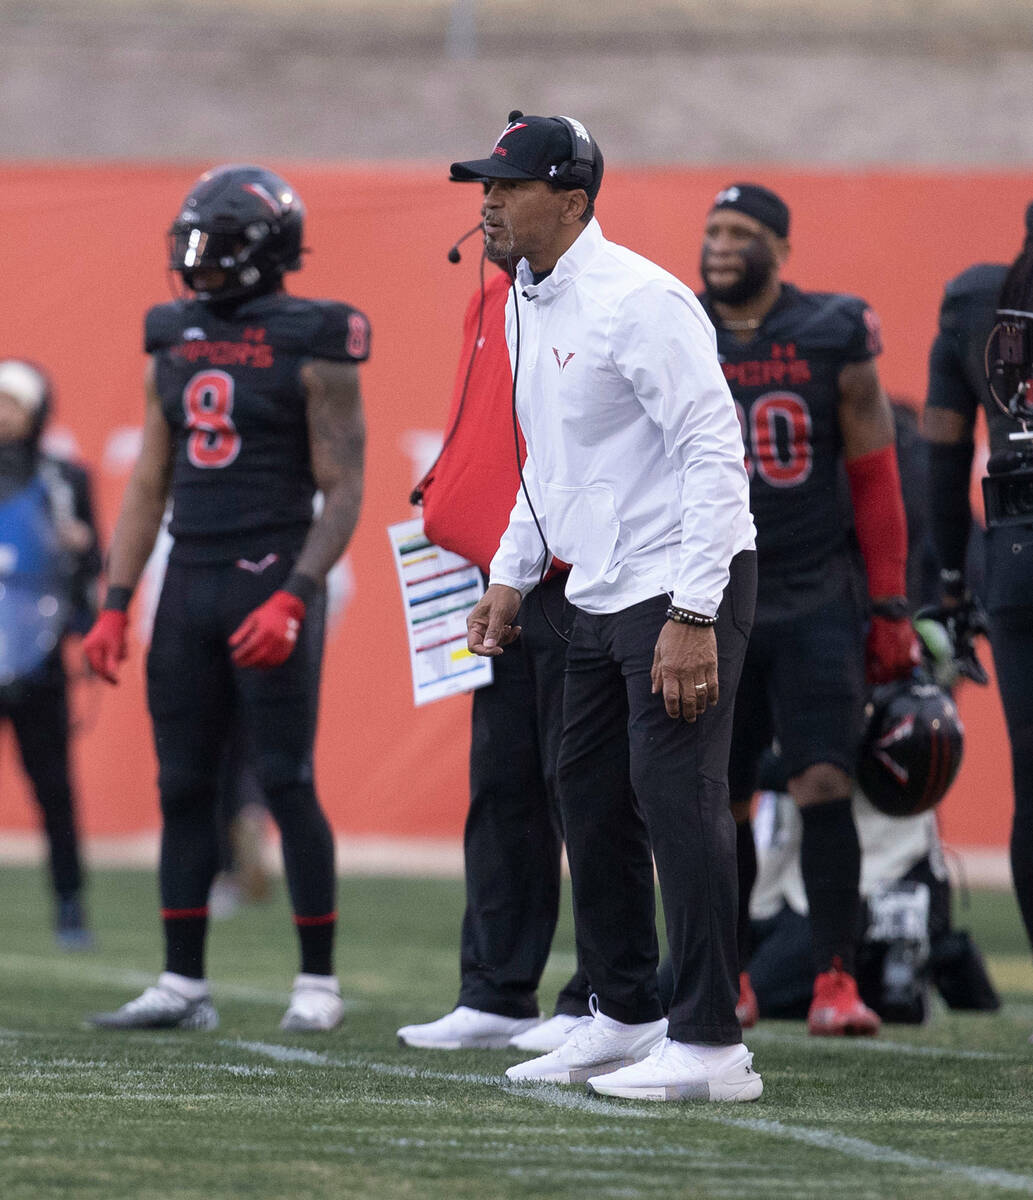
[635, 460]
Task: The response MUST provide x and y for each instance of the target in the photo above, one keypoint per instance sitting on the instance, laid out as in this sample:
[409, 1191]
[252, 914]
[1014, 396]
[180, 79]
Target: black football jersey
[957, 362]
[231, 391]
[785, 384]
[957, 381]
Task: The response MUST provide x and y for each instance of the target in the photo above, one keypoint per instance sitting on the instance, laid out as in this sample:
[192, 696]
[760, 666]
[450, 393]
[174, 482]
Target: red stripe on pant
[325, 919]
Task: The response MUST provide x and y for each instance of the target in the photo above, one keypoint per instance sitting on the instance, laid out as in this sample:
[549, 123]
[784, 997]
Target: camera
[1008, 484]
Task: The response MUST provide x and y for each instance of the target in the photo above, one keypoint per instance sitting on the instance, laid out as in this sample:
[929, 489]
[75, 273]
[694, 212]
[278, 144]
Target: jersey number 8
[208, 405]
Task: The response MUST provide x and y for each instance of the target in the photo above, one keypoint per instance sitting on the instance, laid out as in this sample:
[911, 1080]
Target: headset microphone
[453, 255]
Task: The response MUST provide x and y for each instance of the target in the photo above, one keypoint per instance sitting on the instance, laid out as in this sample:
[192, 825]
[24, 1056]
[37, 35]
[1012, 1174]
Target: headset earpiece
[579, 169]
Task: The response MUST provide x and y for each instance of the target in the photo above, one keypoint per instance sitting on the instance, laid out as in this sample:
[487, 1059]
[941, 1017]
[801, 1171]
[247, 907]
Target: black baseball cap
[536, 148]
[758, 202]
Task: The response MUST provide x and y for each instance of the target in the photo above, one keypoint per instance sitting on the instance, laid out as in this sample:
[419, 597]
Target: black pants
[38, 711]
[1011, 635]
[195, 694]
[636, 786]
[513, 835]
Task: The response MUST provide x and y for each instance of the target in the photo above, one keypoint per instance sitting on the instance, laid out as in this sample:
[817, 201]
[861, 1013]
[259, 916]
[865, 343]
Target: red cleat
[746, 1009]
[837, 1010]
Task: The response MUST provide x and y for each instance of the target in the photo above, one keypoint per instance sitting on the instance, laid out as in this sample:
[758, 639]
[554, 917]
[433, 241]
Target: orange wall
[84, 254]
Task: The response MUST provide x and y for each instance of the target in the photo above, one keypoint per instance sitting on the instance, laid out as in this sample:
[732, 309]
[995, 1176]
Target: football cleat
[594, 1048]
[549, 1035]
[837, 1010]
[466, 1029]
[162, 1007]
[316, 1005]
[747, 1010]
[679, 1071]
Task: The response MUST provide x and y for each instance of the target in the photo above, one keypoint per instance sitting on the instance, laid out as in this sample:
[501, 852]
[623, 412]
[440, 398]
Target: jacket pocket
[583, 526]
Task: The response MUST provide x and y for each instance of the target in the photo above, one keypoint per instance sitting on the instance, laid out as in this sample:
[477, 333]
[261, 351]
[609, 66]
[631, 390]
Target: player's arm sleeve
[665, 346]
[520, 560]
[343, 335]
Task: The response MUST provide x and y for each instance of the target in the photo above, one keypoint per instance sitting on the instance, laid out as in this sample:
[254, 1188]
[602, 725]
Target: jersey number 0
[208, 405]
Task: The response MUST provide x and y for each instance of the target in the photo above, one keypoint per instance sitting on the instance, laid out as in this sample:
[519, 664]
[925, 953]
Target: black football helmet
[242, 220]
[911, 747]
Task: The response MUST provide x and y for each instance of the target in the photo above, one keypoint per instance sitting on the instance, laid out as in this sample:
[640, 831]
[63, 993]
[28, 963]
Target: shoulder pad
[163, 325]
[971, 297]
[343, 335]
[839, 321]
[976, 281]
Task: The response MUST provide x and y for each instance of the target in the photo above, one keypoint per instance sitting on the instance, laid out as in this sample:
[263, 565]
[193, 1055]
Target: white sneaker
[594, 1048]
[680, 1071]
[466, 1029]
[550, 1034]
[166, 1006]
[315, 1006]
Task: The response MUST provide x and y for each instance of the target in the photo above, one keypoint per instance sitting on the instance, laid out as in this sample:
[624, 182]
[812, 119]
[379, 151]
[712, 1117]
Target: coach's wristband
[302, 586]
[682, 616]
[117, 599]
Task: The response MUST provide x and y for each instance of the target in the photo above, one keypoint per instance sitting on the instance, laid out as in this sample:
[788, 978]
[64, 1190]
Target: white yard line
[78, 968]
[571, 1099]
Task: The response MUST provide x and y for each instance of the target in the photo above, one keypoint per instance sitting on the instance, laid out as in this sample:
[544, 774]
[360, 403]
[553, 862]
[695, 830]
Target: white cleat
[680, 1071]
[550, 1034]
[466, 1029]
[316, 1005]
[165, 1006]
[594, 1048]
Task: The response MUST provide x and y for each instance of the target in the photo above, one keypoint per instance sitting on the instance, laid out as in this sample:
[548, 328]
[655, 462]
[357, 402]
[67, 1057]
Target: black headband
[758, 202]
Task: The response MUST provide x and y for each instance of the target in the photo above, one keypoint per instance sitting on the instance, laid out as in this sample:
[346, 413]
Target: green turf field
[944, 1111]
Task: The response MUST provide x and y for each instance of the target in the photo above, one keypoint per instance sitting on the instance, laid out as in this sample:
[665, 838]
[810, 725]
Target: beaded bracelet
[683, 617]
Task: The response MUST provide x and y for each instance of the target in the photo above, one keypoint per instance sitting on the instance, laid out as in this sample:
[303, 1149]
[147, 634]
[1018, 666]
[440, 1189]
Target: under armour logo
[562, 362]
[256, 568]
[193, 334]
[728, 196]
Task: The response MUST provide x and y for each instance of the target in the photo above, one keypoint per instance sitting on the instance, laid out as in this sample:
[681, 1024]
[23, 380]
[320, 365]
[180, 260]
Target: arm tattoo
[337, 439]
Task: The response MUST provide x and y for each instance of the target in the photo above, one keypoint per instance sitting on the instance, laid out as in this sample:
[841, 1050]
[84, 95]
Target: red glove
[267, 636]
[105, 645]
[892, 651]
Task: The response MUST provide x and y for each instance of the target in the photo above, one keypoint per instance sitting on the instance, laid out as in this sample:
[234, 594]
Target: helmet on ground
[244, 221]
[911, 747]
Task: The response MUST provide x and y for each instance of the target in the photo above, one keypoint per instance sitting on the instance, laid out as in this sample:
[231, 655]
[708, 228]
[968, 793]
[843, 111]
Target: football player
[958, 388]
[801, 368]
[253, 403]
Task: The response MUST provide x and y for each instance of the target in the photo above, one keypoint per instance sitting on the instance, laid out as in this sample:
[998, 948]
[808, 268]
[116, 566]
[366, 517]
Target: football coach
[635, 476]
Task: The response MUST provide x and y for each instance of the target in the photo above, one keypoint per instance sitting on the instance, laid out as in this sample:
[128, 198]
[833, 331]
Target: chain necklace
[742, 326]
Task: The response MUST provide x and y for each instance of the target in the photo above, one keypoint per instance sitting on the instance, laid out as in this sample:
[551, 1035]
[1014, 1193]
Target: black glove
[964, 622]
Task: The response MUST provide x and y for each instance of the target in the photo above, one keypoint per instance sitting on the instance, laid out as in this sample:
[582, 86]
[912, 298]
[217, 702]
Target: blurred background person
[49, 563]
